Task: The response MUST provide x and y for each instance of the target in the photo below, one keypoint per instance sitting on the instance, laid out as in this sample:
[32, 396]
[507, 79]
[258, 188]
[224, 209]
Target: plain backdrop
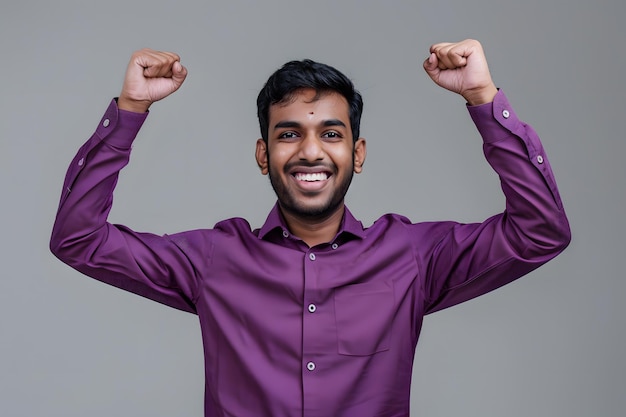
[550, 344]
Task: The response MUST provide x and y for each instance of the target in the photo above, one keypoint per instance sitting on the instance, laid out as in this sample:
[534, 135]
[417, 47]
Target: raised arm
[471, 259]
[149, 265]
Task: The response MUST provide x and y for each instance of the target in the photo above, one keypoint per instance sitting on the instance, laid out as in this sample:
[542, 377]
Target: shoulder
[222, 229]
[399, 225]
[234, 225]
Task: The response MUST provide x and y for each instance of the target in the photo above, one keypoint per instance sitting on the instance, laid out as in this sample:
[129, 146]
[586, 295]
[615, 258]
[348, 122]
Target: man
[313, 314]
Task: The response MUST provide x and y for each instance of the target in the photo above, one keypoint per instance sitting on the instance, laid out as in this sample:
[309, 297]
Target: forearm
[534, 220]
[87, 192]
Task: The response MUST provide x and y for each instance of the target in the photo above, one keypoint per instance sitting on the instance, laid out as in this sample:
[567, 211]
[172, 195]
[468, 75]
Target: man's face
[310, 155]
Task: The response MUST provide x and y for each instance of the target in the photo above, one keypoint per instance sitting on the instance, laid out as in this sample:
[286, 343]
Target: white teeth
[318, 176]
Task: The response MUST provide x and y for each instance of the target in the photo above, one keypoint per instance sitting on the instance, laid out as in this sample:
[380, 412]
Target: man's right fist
[150, 76]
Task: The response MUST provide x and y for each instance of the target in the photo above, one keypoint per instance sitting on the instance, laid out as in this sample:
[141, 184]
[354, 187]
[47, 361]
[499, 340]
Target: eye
[332, 135]
[288, 135]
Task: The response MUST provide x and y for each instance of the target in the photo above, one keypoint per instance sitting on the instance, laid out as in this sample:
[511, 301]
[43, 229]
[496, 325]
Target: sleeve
[149, 265]
[468, 260]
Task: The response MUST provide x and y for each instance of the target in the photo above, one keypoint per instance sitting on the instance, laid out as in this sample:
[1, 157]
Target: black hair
[295, 75]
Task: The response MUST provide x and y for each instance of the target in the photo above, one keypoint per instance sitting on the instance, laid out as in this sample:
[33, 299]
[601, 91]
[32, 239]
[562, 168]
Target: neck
[312, 230]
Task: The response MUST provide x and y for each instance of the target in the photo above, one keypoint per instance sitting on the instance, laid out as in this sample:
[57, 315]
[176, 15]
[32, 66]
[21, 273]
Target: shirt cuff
[496, 120]
[119, 128]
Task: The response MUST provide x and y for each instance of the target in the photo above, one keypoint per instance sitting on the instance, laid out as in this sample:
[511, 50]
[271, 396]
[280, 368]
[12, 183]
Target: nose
[311, 148]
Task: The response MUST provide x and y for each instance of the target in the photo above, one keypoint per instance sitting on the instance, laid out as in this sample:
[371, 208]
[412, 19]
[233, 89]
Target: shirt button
[81, 162]
[312, 308]
[310, 366]
[540, 159]
[334, 246]
[285, 233]
[505, 114]
[106, 122]
[312, 256]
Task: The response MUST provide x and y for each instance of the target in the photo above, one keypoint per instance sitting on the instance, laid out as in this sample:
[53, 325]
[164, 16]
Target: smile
[311, 177]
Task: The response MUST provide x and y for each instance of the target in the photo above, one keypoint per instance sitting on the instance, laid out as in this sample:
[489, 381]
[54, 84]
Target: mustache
[290, 166]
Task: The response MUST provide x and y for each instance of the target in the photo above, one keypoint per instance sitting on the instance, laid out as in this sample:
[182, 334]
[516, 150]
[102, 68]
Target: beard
[291, 203]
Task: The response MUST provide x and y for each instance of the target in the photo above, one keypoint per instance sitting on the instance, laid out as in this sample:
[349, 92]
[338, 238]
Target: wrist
[481, 96]
[135, 106]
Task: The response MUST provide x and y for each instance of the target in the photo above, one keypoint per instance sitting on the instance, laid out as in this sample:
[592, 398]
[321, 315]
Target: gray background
[551, 344]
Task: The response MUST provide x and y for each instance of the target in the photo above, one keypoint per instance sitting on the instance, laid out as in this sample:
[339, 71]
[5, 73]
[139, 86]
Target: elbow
[550, 239]
[559, 241]
[540, 238]
[562, 234]
[566, 236]
[59, 248]
[68, 243]
[65, 248]
[71, 253]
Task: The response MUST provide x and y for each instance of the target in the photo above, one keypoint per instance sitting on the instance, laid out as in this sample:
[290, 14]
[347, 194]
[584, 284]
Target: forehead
[306, 104]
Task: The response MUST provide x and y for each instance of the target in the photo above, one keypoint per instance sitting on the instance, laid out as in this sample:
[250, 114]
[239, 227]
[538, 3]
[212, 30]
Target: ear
[261, 156]
[360, 152]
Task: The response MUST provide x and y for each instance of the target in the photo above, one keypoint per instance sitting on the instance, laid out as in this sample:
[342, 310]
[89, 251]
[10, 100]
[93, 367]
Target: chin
[312, 211]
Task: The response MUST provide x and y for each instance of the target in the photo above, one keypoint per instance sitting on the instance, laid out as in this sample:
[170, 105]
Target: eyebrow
[294, 124]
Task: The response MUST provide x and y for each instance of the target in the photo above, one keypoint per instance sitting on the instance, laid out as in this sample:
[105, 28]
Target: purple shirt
[325, 331]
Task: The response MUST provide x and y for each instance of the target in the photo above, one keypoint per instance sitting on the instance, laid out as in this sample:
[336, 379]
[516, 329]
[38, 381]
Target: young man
[313, 314]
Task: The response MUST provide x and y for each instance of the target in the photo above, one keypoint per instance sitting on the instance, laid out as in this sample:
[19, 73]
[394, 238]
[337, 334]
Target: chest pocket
[364, 315]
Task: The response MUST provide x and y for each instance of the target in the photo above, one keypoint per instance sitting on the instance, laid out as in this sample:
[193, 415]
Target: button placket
[312, 318]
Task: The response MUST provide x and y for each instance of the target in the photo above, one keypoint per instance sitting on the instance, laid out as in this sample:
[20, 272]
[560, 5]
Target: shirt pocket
[364, 315]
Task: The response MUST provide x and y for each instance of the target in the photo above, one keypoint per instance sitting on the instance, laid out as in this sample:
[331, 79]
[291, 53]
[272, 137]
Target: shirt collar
[276, 221]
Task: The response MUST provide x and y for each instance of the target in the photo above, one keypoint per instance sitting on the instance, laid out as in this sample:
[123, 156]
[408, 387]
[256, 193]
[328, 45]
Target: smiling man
[313, 156]
[313, 314]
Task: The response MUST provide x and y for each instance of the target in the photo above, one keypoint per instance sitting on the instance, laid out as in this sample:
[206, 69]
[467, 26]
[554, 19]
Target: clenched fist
[150, 76]
[462, 67]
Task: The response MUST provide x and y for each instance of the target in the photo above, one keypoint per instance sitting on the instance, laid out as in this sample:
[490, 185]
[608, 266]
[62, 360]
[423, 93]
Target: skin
[311, 136]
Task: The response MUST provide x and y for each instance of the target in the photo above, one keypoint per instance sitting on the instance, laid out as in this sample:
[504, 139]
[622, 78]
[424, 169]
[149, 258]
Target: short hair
[295, 75]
